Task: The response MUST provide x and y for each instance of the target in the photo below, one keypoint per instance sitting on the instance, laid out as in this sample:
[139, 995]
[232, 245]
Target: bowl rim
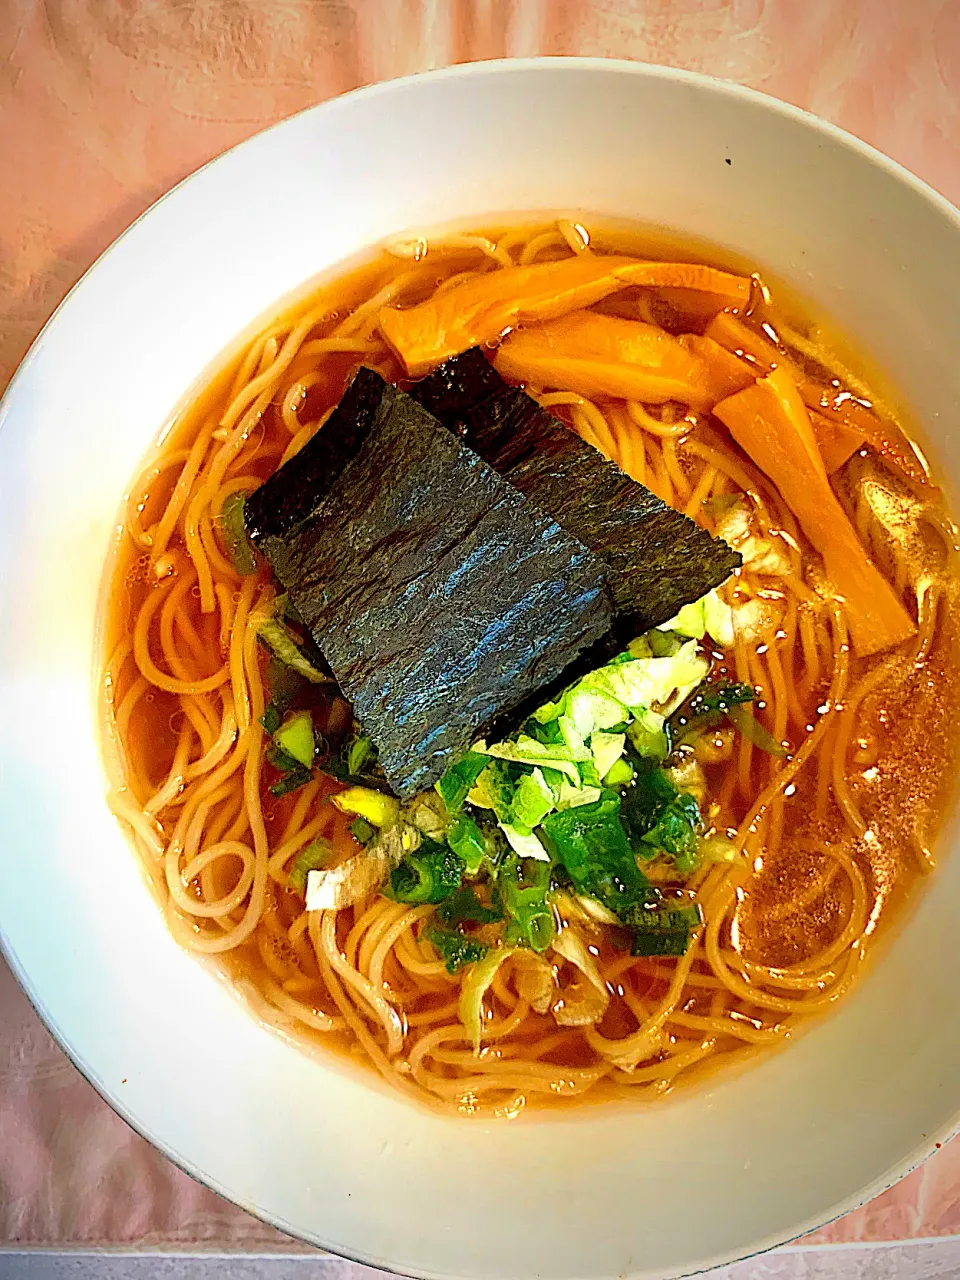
[385, 88]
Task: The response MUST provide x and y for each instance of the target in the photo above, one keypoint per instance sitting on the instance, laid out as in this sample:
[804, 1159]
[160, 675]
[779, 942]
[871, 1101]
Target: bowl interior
[713, 1174]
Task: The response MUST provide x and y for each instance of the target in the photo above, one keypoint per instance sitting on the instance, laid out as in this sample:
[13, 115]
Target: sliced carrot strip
[724, 373]
[741, 340]
[883, 437]
[598, 355]
[694, 305]
[770, 423]
[482, 309]
[836, 441]
[838, 406]
[687, 275]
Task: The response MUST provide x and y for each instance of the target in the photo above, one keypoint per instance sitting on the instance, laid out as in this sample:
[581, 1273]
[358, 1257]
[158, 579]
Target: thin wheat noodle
[172, 786]
[646, 1039]
[317, 827]
[181, 492]
[148, 668]
[381, 917]
[382, 1010]
[577, 238]
[314, 1018]
[388, 941]
[295, 398]
[552, 239]
[307, 797]
[140, 493]
[642, 418]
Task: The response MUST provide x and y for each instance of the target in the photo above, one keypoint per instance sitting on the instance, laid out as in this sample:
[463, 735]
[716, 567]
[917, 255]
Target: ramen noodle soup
[527, 667]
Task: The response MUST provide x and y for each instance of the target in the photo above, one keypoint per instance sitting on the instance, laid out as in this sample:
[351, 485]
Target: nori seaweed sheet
[658, 559]
[297, 488]
[438, 594]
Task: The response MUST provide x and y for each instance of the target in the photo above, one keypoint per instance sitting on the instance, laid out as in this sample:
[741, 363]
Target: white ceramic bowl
[757, 1157]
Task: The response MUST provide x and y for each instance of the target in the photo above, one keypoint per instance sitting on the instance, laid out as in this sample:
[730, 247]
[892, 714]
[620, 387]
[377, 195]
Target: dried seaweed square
[440, 597]
[658, 559]
[300, 485]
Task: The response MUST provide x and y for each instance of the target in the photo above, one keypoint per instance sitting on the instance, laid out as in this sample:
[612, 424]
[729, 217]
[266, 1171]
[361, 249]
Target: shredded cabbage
[475, 986]
[527, 750]
[707, 616]
[584, 1002]
[532, 801]
[524, 843]
[572, 797]
[640, 684]
[607, 748]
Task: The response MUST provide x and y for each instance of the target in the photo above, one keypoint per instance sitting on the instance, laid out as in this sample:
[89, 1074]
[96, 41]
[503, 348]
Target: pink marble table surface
[104, 104]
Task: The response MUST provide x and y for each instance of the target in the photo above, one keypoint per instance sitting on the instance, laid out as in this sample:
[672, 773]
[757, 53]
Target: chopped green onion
[362, 831]
[239, 548]
[429, 874]
[458, 780]
[271, 719]
[291, 781]
[523, 885]
[650, 736]
[312, 858]
[676, 832]
[455, 948]
[706, 706]
[466, 908]
[665, 932]
[658, 817]
[591, 843]
[469, 843]
[379, 809]
[296, 739]
[360, 753]
[282, 760]
[746, 723]
[286, 686]
[282, 642]
[714, 849]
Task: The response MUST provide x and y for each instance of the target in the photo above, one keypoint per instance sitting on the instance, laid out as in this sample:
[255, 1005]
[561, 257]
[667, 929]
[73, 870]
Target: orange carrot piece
[724, 373]
[738, 338]
[882, 437]
[598, 355]
[838, 407]
[687, 275]
[695, 306]
[482, 309]
[771, 425]
[836, 441]
[794, 414]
